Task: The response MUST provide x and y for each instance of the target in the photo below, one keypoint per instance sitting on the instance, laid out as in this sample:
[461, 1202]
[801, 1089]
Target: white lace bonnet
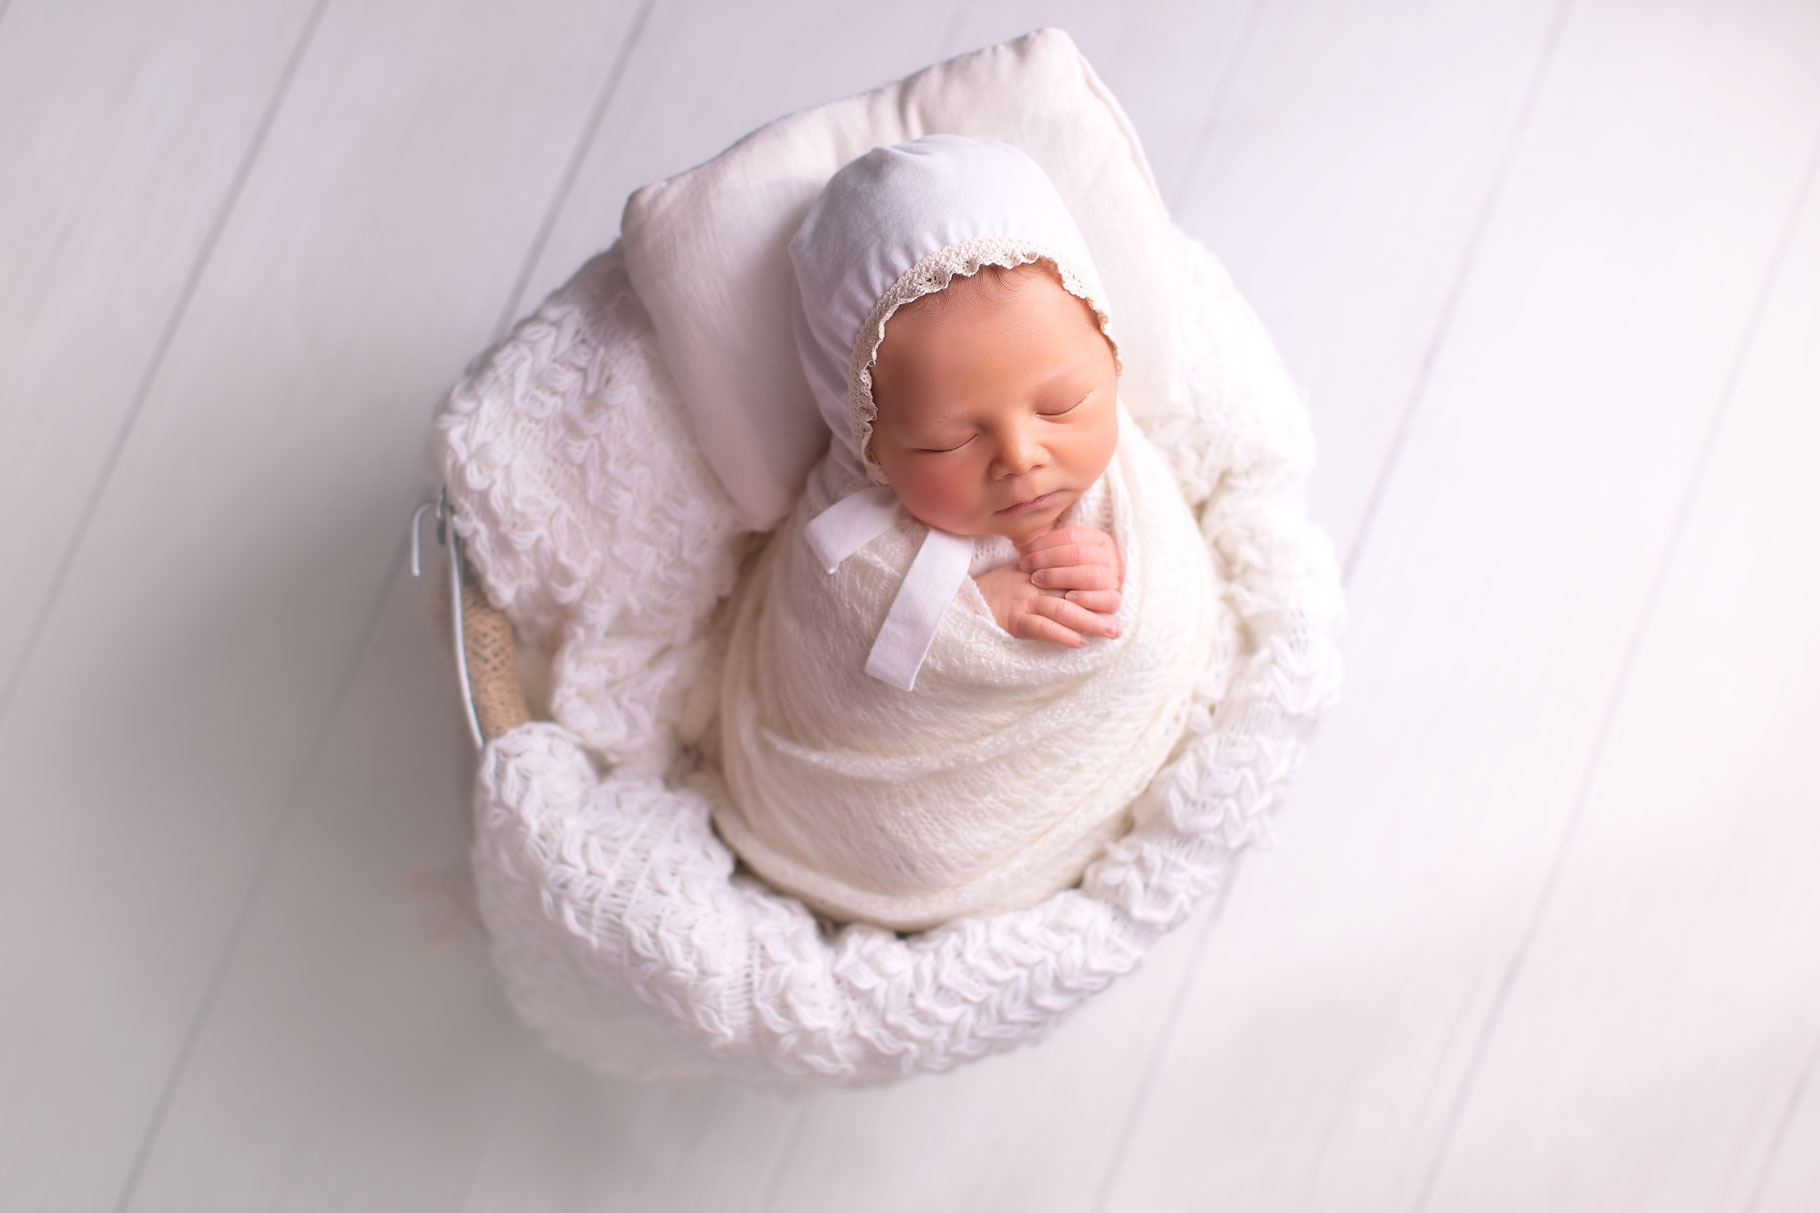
[899, 223]
[894, 225]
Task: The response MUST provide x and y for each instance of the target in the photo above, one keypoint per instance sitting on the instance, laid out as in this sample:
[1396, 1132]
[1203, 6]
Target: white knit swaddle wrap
[1009, 766]
[1005, 772]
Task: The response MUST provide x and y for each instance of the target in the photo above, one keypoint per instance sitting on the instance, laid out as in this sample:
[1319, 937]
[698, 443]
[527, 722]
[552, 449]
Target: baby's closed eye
[1059, 410]
[938, 444]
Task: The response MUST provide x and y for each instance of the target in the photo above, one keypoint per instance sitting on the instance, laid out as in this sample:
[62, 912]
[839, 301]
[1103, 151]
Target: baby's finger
[1074, 615]
[1076, 577]
[1033, 626]
[1073, 545]
[1089, 536]
[1083, 539]
[1100, 602]
[1054, 557]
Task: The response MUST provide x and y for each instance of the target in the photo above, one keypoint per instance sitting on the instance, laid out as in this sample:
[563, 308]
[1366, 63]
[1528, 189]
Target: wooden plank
[123, 128]
[1508, 567]
[1304, 189]
[210, 618]
[1033, 1129]
[764, 60]
[358, 1047]
[1042, 1129]
[568, 1139]
[1793, 1176]
[1170, 64]
[1664, 1012]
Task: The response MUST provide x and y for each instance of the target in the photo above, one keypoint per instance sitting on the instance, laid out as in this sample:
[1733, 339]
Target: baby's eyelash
[1061, 412]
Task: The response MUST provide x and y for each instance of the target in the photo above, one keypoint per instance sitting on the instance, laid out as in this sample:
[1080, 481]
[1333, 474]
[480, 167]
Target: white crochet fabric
[626, 937]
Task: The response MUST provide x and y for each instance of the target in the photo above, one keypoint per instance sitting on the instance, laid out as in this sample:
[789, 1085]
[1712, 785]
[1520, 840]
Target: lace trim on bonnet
[932, 274]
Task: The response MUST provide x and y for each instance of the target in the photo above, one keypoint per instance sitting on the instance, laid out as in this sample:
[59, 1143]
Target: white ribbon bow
[942, 563]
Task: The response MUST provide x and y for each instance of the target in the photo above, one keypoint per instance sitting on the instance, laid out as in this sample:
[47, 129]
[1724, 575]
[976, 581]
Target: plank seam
[786, 1154]
[1783, 1126]
[615, 74]
[477, 1158]
[1615, 701]
[1450, 306]
[1216, 109]
[280, 828]
[1178, 1003]
[957, 21]
[186, 295]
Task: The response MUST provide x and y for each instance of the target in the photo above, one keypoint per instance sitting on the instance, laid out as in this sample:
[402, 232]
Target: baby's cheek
[938, 500]
[1107, 431]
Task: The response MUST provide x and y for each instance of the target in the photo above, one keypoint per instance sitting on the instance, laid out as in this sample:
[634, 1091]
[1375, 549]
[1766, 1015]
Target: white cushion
[707, 250]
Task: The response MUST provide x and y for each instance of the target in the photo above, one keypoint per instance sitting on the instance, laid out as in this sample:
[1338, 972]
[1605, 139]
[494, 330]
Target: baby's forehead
[991, 284]
[1031, 292]
[934, 364]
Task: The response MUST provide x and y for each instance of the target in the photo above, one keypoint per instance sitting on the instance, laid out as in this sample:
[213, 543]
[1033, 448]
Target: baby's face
[997, 404]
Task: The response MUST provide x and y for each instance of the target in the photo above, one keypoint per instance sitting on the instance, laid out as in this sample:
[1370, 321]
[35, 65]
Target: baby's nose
[1019, 453]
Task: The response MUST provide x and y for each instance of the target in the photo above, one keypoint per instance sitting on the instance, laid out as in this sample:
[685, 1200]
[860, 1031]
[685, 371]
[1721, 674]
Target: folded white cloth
[1010, 766]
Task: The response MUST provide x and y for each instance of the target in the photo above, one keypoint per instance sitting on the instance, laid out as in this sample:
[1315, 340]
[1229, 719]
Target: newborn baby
[997, 408]
[975, 639]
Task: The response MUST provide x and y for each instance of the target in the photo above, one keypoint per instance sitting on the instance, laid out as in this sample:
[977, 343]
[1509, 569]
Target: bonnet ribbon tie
[942, 563]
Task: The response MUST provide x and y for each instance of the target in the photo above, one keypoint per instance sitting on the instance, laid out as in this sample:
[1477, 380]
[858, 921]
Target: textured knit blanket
[1010, 765]
[624, 931]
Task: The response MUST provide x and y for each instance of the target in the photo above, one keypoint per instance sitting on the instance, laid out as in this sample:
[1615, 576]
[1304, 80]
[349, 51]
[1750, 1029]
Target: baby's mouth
[1032, 503]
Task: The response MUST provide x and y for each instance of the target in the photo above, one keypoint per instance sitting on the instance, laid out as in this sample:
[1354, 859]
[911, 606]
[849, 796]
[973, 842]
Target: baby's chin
[1028, 532]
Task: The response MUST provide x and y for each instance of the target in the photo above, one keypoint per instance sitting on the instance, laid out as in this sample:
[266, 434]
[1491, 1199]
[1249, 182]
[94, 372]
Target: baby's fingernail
[1040, 577]
[1112, 629]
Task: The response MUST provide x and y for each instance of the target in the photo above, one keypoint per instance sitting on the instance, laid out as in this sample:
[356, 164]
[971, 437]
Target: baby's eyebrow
[936, 431]
[1061, 372]
[948, 410]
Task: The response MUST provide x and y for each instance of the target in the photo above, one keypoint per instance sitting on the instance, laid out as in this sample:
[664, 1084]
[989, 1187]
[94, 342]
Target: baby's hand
[1031, 613]
[1081, 563]
[1065, 589]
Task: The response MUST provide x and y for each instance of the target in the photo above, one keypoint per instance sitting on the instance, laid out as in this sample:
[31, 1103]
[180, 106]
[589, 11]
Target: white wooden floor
[1542, 930]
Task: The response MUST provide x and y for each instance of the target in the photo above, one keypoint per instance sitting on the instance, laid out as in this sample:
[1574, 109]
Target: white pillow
[707, 250]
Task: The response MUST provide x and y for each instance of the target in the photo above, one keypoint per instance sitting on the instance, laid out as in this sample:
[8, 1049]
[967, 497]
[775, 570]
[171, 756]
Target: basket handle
[478, 633]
